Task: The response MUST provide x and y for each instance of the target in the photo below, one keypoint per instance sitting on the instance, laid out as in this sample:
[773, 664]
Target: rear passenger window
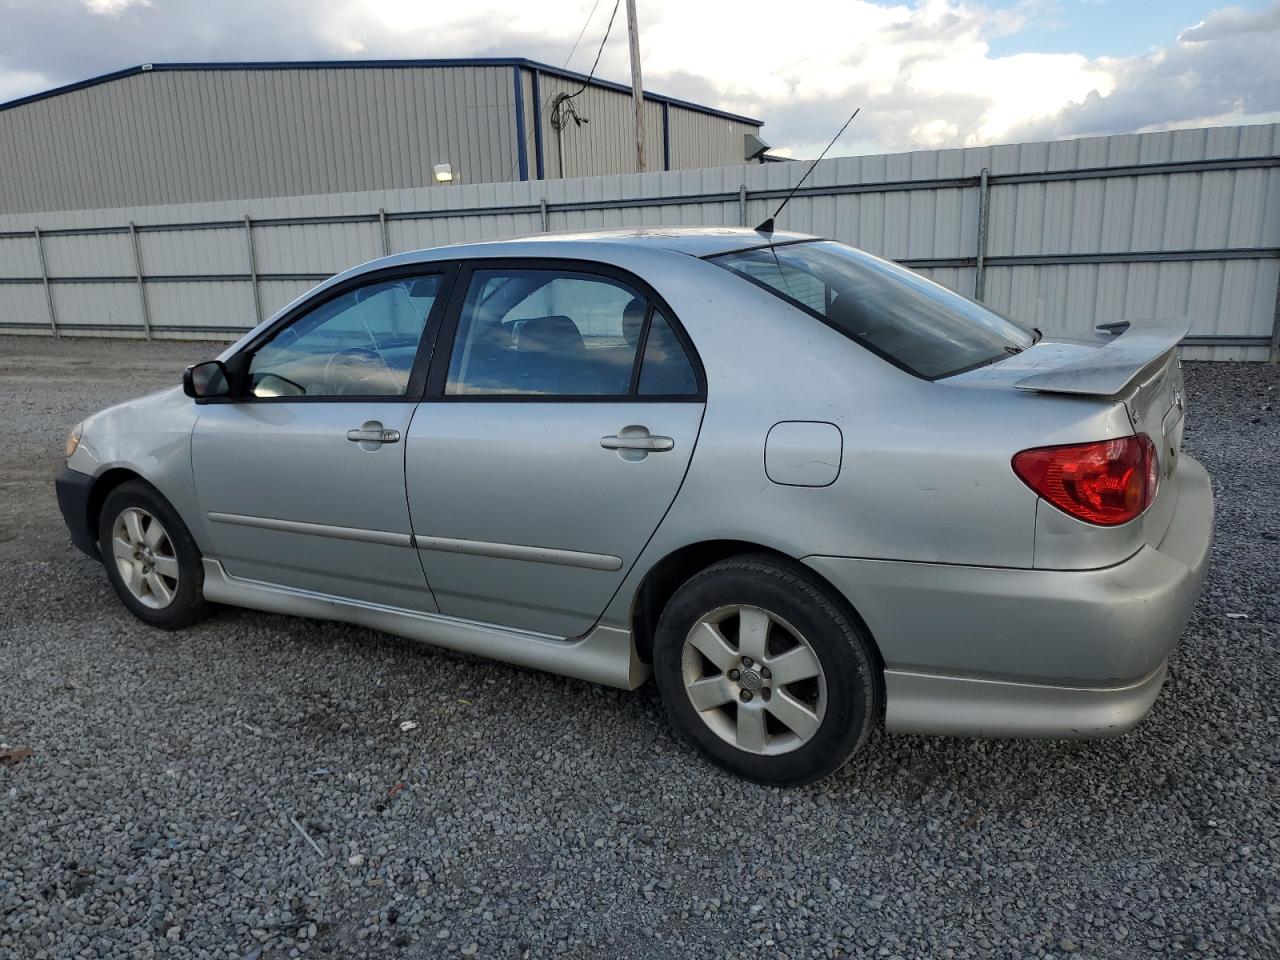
[546, 333]
[666, 370]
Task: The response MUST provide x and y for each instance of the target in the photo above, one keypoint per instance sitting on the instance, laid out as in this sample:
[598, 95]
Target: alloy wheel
[754, 679]
[145, 557]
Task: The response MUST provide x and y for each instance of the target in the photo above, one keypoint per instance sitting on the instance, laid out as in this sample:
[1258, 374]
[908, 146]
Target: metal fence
[1063, 235]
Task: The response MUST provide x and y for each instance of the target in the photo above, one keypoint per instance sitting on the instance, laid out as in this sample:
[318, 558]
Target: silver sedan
[801, 487]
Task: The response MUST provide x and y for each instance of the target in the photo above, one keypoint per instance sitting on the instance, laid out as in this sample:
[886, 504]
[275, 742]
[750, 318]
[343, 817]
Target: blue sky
[1103, 28]
[927, 73]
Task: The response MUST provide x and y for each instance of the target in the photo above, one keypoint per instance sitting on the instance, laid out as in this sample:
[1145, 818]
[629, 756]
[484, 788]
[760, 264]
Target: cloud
[923, 73]
[1224, 69]
[109, 7]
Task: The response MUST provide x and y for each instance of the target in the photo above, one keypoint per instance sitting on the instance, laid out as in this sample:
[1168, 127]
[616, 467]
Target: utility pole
[637, 84]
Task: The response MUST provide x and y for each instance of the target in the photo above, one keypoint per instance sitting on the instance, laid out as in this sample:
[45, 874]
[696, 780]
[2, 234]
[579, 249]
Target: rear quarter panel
[925, 472]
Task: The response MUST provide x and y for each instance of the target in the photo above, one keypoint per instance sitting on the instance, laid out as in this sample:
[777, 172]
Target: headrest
[550, 334]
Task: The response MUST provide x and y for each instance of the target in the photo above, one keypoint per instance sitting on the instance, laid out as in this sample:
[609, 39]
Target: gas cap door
[803, 453]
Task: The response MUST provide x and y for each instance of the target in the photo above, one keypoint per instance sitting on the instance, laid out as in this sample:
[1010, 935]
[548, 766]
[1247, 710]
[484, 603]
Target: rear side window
[666, 370]
[545, 332]
[914, 323]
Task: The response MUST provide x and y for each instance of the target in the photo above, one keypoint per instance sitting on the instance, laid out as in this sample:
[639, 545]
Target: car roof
[693, 241]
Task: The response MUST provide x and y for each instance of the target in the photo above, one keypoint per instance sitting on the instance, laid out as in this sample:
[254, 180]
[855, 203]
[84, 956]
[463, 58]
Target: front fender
[150, 437]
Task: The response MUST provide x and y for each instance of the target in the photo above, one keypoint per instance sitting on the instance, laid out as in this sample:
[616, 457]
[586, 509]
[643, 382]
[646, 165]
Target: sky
[934, 73]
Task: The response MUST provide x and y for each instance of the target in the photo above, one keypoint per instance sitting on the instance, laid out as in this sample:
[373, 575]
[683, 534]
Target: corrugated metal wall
[701, 140]
[1177, 224]
[605, 142]
[179, 135]
[191, 135]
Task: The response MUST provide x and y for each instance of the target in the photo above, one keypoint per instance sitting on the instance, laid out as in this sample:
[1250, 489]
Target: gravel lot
[528, 815]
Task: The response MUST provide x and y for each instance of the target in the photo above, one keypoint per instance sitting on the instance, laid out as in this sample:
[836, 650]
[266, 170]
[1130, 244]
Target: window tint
[545, 333]
[918, 324]
[361, 343]
[666, 370]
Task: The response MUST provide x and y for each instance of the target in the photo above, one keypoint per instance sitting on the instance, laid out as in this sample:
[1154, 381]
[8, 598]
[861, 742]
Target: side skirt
[605, 655]
[955, 706]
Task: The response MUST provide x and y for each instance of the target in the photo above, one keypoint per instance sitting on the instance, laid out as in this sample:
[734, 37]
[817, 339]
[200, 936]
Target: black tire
[188, 604]
[784, 589]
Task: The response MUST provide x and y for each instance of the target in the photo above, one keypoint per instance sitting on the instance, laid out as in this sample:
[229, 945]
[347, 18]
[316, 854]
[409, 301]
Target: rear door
[561, 413]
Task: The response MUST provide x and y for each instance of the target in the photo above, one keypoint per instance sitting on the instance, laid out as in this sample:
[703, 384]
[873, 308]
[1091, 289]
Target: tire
[840, 702]
[173, 551]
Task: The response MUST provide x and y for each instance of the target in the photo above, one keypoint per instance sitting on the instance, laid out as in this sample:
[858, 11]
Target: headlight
[73, 438]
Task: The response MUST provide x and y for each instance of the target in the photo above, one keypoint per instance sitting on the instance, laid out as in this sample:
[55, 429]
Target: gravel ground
[245, 790]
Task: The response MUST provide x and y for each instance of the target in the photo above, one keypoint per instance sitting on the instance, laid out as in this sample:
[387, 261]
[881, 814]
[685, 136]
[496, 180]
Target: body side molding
[513, 551]
[315, 529]
[480, 548]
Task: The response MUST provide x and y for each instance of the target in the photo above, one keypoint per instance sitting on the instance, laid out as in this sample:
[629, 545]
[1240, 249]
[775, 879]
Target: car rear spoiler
[1107, 371]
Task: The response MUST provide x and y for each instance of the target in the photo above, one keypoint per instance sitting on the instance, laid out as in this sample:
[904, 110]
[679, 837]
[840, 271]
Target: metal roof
[372, 65]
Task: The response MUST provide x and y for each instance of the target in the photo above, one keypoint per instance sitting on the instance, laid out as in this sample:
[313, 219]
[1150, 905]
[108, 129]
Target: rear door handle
[651, 444]
[373, 432]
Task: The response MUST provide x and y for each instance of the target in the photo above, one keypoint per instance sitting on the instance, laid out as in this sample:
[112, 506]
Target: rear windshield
[910, 321]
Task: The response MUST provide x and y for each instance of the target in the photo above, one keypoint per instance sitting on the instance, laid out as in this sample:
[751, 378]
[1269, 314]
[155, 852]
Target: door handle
[373, 432]
[650, 444]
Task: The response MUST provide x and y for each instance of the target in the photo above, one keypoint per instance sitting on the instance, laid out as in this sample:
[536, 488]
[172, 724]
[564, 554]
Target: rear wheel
[765, 672]
[150, 557]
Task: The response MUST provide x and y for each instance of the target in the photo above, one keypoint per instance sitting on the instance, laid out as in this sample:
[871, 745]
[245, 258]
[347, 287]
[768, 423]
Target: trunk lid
[1139, 368]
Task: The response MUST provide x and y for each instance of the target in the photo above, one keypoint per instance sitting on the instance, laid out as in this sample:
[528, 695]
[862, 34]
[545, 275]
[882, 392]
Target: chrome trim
[513, 551]
[956, 706]
[606, 655]
[315, 529]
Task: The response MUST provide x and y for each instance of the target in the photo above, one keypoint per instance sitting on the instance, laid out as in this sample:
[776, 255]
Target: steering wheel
[349, 372]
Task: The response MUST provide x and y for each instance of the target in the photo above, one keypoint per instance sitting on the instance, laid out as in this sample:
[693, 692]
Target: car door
[559, 419]
[301, 472]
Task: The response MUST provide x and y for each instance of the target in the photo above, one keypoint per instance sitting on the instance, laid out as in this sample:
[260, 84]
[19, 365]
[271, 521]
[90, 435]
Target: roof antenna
[767, 226]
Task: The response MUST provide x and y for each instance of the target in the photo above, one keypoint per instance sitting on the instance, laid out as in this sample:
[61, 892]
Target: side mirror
[205, 380]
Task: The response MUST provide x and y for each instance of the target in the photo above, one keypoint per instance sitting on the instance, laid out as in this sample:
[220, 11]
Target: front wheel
[151, 558]
[764, 672]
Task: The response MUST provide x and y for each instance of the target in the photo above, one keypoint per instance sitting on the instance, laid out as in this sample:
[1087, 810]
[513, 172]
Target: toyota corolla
[805, 489]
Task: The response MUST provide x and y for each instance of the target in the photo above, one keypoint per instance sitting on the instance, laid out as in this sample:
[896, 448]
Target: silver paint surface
[1108, 370]
[957, 567]
[802, 453]
[535, 474]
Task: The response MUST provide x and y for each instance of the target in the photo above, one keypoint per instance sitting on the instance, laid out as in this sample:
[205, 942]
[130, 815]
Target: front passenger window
[360, 344]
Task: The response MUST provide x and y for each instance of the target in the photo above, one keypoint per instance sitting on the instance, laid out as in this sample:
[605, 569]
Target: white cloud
[113, 7]
[1222, 70]
[923, 73]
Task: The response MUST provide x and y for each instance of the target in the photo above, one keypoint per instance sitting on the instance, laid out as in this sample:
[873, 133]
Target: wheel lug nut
[766, 693]
[746, 661]
[745, 696]
[764, 672]
[734, 675]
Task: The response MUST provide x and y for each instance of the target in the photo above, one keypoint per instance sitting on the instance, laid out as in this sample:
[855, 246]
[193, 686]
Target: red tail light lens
[1108, 482]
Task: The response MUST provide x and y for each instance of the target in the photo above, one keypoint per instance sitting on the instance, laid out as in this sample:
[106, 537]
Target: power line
[560, 96]
[599, 51]
[581, 32]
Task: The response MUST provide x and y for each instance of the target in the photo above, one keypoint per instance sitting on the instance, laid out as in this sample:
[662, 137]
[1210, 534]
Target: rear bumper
[971, 707]
[1032, 653]
[73, 490]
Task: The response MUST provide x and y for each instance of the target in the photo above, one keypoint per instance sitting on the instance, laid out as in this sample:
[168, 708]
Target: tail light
[1108, 482]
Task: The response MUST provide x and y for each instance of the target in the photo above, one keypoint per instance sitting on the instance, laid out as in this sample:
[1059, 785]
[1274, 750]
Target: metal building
[190, 132]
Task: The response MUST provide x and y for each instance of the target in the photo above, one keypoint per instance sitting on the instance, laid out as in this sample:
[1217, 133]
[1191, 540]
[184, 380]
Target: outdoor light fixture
[444, 173]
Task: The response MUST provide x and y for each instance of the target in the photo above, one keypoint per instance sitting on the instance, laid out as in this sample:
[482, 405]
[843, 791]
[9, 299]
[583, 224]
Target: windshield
[914, 323]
